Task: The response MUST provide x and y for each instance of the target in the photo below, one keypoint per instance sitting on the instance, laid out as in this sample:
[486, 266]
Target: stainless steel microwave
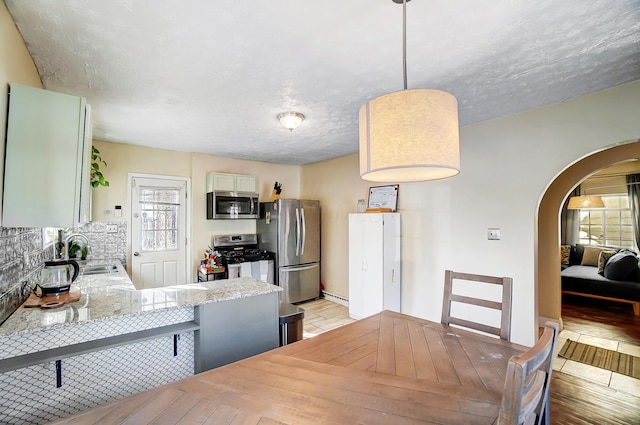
[232, 205]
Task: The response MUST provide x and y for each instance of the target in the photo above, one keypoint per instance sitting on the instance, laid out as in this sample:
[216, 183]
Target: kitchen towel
[245, 269]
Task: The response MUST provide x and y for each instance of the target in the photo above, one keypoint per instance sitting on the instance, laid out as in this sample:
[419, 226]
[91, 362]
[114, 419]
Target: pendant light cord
[404, 41]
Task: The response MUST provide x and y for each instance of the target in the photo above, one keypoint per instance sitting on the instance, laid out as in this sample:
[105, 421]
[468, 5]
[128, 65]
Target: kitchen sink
[98, 269]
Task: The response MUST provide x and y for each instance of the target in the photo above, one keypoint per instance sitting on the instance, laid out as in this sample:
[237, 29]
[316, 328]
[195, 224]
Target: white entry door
[158, 231]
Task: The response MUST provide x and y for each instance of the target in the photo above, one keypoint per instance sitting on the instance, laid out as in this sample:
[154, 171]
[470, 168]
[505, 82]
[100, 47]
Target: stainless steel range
[242, 258]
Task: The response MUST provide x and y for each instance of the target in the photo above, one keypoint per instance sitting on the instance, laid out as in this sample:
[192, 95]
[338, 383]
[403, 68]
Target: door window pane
[159, 212]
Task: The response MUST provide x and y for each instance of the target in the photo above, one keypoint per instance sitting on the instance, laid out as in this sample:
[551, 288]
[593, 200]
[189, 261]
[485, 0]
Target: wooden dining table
[389, 368]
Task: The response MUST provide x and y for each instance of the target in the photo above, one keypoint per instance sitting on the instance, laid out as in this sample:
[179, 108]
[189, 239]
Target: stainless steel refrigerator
[291, 229]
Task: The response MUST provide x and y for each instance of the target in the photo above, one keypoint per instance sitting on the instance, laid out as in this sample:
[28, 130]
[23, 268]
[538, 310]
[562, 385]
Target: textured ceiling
[211, 76]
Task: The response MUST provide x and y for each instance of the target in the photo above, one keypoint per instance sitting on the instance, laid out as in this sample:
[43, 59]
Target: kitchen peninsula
[117, 341]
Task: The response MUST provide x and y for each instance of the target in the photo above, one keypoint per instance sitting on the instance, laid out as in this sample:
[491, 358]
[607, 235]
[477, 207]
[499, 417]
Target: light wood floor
[322, 315]
[580, 394]
[587, 395]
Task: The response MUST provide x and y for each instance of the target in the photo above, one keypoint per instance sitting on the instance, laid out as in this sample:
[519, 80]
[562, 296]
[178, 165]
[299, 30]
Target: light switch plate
[111, 228]
[493, 234]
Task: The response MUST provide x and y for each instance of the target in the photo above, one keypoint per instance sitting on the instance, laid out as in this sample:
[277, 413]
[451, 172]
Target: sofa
[601, 272]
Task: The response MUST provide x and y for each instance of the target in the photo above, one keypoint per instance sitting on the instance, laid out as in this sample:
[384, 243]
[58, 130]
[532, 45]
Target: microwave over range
[232, 205]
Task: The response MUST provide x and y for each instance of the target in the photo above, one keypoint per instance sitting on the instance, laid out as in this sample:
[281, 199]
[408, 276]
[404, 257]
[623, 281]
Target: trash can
[290, 323]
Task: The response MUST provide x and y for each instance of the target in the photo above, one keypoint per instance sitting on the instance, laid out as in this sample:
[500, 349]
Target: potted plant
[97, 178]
[77, 250]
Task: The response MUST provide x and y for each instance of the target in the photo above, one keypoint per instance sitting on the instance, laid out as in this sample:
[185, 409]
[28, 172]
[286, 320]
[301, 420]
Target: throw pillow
[621, 265]
[576, 254]
[565, 252]
[590, 256]
[603, 258]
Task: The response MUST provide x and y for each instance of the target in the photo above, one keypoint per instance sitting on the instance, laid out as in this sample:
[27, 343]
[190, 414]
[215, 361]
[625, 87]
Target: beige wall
[123, 159]
[338, 186]
[16, 66]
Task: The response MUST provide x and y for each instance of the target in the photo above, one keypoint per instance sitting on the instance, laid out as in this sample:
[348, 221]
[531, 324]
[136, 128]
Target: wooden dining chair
[525, 399]
[504, 306]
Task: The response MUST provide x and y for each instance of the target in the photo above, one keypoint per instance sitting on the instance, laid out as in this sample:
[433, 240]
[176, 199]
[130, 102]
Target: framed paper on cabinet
[384, 197]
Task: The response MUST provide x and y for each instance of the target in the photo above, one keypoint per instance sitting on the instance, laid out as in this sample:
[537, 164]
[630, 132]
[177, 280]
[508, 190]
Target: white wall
[506, 165]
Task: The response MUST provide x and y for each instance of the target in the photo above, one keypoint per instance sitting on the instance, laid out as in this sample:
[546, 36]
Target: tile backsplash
[103, 244]
[22, 257]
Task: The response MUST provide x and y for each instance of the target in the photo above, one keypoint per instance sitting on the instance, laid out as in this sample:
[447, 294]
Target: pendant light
[583, 202]
[409, 135]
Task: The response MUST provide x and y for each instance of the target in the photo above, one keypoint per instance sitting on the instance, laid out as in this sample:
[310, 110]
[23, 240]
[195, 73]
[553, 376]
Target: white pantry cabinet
[47, 160]
[225, 182]
[374, 263]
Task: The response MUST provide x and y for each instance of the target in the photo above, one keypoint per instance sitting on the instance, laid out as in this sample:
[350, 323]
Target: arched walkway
[547, 262]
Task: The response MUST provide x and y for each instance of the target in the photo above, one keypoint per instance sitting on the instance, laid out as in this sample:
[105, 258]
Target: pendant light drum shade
[585, 202]
[409, 136]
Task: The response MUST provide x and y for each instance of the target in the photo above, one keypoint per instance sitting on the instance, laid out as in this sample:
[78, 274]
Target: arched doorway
[548, 293]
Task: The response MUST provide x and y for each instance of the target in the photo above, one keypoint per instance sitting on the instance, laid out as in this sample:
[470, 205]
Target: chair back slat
[474, 325]
[525, 399]
[504, 306]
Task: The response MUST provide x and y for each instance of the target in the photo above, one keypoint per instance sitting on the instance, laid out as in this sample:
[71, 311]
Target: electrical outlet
[111, 228]
[493, 234]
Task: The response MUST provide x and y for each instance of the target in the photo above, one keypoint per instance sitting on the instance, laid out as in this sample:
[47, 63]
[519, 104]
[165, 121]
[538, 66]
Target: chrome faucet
[71, 236]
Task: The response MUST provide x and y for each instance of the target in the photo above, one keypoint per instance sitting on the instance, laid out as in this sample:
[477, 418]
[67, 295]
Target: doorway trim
[188, 217]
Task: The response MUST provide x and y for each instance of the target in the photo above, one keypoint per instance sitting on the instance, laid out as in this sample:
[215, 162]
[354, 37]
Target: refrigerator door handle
[304, 232]
[297, 232]
[298, 268]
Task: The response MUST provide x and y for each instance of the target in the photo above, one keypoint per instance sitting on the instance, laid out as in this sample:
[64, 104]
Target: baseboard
[335, 298]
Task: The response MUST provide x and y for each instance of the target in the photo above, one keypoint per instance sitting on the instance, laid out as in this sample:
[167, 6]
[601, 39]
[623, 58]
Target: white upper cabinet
[47, 160]
[224, 182]
[245, 184]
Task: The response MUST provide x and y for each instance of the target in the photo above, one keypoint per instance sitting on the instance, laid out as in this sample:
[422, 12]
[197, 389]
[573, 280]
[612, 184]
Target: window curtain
[633, 189]
[570, 222]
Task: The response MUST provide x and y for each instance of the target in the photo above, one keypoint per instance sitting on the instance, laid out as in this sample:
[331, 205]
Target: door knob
[136, 253]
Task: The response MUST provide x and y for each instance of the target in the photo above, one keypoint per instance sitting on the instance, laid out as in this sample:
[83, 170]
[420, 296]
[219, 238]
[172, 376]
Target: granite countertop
[112, 295]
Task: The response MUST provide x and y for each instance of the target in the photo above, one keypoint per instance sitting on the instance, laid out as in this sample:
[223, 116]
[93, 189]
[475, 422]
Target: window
[49, 236]
[610, 226]
[159, 209]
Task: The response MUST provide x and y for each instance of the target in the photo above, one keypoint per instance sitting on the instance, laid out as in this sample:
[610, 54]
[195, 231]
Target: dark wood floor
[577, 401]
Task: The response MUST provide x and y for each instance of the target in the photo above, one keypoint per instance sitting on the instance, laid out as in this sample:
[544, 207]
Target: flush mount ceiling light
[409, 135]
[290, 120]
